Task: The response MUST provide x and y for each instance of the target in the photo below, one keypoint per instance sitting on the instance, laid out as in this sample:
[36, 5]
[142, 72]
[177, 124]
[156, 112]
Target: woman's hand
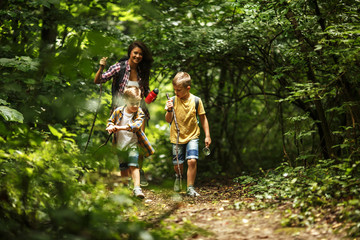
[103, 61]
[97, 78]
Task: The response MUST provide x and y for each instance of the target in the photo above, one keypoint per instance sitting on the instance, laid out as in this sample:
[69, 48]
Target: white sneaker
[192, 193]
[138, 193]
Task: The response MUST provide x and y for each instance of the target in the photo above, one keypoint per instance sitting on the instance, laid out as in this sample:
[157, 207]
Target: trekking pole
[177, 142]
[93, 124]
[107, 140]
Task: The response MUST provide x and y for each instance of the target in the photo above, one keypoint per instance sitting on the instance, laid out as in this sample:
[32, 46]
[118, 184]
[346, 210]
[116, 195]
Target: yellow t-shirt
[186, 118]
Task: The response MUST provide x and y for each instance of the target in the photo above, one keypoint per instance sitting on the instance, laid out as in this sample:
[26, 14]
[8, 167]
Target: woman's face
[136, 55]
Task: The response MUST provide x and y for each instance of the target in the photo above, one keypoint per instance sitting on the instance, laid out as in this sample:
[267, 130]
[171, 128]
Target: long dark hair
[145, 64]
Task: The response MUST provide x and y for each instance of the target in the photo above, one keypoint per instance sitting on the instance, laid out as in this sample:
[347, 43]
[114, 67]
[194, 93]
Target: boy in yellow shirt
[184, 105]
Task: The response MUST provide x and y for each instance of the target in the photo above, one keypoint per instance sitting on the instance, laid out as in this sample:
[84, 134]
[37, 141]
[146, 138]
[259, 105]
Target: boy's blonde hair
[132, 92]
[182, 78]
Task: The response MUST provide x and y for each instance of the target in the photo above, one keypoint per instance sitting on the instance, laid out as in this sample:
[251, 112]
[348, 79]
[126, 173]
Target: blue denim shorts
[129, 158]
[187, 151]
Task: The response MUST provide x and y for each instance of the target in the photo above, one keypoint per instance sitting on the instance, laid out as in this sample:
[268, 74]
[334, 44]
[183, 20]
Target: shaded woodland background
[279, 81]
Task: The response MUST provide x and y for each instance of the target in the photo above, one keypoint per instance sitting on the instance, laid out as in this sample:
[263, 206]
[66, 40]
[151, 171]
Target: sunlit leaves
[10, 114]
[55, 132]
[61, 133]
[49, 188]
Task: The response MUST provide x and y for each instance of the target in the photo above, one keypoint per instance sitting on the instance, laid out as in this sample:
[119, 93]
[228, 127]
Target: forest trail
[217, 214]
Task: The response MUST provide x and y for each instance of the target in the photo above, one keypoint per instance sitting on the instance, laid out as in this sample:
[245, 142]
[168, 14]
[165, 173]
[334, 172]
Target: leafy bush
[49, 193]
[331, 185]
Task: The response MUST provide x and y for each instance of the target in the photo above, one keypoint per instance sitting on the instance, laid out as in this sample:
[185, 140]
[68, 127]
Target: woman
[131, 71]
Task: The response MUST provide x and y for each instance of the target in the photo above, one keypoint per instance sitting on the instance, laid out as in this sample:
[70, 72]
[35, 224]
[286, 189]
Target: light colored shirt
[133, 83]
[187, 120]
[126, 139]
[135, 126]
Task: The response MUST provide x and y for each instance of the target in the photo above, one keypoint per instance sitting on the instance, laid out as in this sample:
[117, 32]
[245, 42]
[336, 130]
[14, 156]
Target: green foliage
[278, 80]
[48, 191]
[23, 63]
[173, 231]
[10, 114]
[328, 185]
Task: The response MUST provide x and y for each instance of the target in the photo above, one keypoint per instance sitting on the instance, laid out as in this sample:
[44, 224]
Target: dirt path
[217, 214]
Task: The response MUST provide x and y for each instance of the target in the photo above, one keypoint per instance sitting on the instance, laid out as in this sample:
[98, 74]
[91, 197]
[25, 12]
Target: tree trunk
[349, 90]
[48, 37]
[218, 136]
[327, 152]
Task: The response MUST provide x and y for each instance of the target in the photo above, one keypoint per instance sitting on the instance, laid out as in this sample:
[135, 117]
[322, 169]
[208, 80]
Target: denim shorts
[187, 151]
[128, 158]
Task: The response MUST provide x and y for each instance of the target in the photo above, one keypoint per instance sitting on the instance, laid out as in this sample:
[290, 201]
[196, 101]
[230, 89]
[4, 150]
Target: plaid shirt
[135, 127]
[113, 71]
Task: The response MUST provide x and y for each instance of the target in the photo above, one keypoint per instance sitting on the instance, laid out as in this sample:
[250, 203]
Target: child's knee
[134, 168]
[191, 162]
[178, 165]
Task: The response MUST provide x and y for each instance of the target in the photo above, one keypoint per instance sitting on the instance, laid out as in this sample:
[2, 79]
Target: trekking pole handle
[175, 120]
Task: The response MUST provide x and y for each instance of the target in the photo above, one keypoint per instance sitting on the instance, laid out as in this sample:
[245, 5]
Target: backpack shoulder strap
[196, 99]
[117, 78]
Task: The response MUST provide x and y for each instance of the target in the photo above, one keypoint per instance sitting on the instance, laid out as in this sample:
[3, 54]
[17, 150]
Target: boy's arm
[111, 127]
[169, 114]
[136, 125]
[115, 128]
[111, 120]
[169, 117]
[205, 125]
[113, 117]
